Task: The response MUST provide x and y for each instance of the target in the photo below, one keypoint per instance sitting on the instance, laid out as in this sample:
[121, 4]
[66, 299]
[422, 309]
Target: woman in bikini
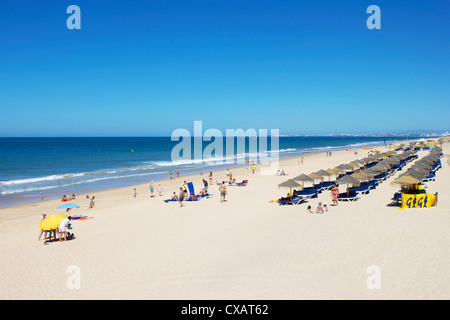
[334, 194]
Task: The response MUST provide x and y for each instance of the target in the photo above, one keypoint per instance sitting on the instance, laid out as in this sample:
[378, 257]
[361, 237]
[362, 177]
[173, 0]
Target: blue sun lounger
[307, 193]
[352, 196]
[293, 201]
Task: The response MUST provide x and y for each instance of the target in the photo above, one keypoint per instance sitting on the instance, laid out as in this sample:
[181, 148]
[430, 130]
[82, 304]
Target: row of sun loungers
[302, 196]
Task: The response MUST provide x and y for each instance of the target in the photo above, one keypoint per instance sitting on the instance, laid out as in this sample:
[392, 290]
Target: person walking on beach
[171, 177]
[160, 189]
[181, 197]
[92, 203]
[223, 191]
[334, 195]
[151, 189]
[253, 168]
[205, 184]
[210, 177]
[185, 187]
[135, 193]
[178, 173]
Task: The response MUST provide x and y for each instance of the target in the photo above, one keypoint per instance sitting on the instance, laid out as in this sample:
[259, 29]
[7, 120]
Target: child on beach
[308, 210]
[92, 203]
[319, 208]
[151, 189]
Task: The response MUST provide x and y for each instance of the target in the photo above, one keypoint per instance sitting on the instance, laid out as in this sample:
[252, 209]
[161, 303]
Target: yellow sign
[423, 200]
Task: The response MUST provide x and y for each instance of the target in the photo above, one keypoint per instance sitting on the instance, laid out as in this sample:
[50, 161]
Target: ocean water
[57, 166]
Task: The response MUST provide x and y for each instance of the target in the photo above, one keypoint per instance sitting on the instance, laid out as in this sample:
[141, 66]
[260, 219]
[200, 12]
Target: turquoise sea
[57, 166]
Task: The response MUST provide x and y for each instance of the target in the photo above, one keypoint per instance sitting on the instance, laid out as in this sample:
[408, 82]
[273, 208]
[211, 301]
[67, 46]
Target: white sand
[245, 248]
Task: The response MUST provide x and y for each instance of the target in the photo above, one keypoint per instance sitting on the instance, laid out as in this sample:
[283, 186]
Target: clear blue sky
[149, 67]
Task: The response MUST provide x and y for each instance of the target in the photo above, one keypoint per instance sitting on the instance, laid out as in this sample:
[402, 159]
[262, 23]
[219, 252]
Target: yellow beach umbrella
[52, 222]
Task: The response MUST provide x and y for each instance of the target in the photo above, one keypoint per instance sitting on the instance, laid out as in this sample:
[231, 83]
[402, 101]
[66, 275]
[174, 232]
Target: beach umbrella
[346, 167]
[332, 171]
[289, 184]
[339, 170]
[355, 165]
[361, 176]
[348, 180]
[303, 178]
[379, 168]
[68, 206]
[324, 173]
[416, 174]
[315, 176]
[370, 171]
[51, 222]
[407, 179]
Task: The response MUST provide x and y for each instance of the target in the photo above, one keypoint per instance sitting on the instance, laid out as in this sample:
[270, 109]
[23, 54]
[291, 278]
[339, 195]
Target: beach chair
[293, 201]
[397, 196]
[350, 197]
[192, 192]
[308, 193]
[326, 185]
[360, 190]
[430, 177]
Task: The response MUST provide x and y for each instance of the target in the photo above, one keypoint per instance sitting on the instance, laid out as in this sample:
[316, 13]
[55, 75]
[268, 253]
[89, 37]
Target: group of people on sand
[321, 208]
[65, 198]
[184, 194]
[152, 189]
[62, 230]
[281, 173]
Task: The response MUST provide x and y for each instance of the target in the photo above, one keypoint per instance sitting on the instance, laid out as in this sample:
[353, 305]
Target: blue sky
[139, 68]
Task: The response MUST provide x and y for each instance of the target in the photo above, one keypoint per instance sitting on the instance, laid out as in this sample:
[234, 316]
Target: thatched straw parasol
[348, 180]
[315, 176]
[289, 184]
[407, 179]
[324, 174]
[303, 178]
[361, 176]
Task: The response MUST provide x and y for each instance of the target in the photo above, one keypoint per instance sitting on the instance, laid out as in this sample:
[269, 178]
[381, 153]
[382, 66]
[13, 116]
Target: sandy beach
[244, 248]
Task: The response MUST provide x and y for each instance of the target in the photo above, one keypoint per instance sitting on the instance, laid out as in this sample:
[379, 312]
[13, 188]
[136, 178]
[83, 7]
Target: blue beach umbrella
[68, 206]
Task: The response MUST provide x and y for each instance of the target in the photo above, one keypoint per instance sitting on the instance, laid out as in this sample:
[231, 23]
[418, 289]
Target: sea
[81, 165]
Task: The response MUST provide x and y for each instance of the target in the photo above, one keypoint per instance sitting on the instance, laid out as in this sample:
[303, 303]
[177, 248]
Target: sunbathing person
[174, 196]
[319, 208]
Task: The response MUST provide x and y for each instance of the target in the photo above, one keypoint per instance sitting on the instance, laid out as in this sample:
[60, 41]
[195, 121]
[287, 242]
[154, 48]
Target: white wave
[38, 187]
